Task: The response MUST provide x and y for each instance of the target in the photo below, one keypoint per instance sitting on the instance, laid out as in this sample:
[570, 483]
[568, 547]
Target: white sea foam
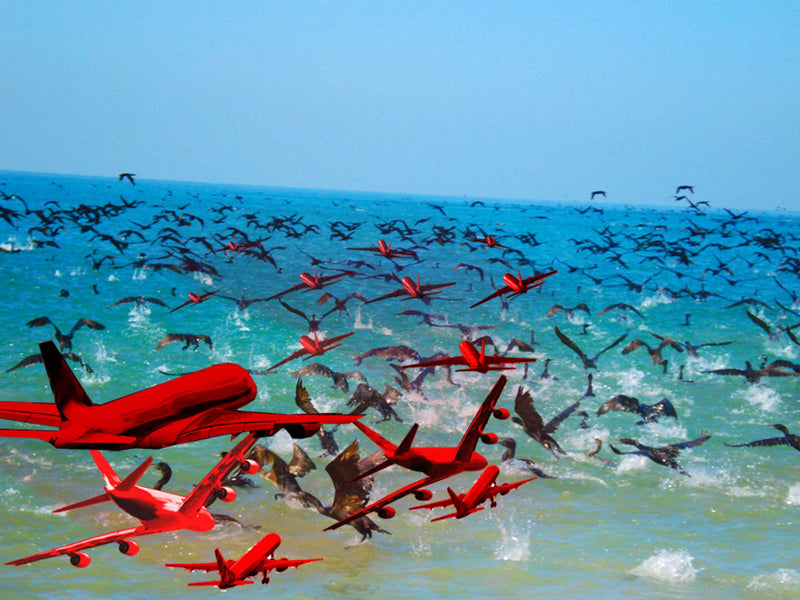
[514, 544]
[761, 397]
[671, 566]
[780, 579]
[793, 497]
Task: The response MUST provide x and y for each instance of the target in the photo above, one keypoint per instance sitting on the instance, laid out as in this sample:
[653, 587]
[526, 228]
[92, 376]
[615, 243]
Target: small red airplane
[473, 360]
[490, 241]
[484, 488]
[414, 290]
[517, 285]
[158, 511]
[191, 407]
[312, 347]
[259, 559]
[195, 298]
[436, 463]
[312, 282]
[386, 250]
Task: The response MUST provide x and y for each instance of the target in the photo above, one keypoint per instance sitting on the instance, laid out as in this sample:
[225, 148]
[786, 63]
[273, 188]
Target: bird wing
[300, 463]
[571, 345]
[620, 402]
[523, 406]
[552, 424]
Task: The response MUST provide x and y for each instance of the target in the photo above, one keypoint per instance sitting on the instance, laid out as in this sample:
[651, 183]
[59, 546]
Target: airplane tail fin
[111, 479]
[68, 392]
[457, 503]
[405, 445]
[130, 481]
[224, 571]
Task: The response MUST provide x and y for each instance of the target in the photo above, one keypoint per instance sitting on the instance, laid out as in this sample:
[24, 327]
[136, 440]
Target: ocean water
[628, 529]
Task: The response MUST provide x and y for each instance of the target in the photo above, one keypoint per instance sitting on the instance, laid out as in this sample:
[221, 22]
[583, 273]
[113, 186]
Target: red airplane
[192, 407]
[259, 559]
[484, 488]
[312, 282]
[490, 241]
[158, 511]
[473, 360]
[436, 463]
[414, 290]
[517, 285]
[315, 347]
[195, 298]
[386, 250]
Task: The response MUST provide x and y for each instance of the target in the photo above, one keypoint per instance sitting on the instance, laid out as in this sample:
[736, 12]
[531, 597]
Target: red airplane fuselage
[438, 462]
[159, 510]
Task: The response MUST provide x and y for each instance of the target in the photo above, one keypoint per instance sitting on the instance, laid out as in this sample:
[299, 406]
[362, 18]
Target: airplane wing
[292, 356]
[470, 440]
[496, 359]
[221, 421]
[196, 499]
[393, 294]
[386, 500]
[281, 564]
[498, 292]
[330, 341]
[294, 288]
[447, 361]
[75, 547]
[432, 505]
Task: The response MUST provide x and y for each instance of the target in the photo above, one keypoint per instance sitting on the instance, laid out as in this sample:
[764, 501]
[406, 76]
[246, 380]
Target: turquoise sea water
[631, 529]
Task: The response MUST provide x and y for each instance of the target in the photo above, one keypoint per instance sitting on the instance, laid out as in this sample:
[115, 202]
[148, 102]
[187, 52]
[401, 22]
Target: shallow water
[633, 529]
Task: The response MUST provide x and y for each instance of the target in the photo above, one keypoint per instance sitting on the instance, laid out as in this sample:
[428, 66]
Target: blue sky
[523, 100]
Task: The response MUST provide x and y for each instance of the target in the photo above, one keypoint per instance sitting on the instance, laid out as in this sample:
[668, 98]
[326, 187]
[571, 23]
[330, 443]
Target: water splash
[514, 544]
[793, 497]
[668, 566]
[782, 578]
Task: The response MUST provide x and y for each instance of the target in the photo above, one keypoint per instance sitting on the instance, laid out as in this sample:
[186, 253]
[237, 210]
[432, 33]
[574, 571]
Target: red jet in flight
[192, 407]
[473, 360]
[517, 285]
[485, 488]
[490, 241]
[386, 250]
[436, 463]
[312, 282]
[259, 559]
[414, 290]
[315, 347]
[195, 298]
[157, 510]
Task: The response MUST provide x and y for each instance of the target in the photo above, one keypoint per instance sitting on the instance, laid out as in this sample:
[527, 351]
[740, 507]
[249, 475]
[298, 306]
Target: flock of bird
[718, 263]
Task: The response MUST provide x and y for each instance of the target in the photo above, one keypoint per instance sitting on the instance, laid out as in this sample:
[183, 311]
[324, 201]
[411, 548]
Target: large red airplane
[259, 559]
[517, 285]
[195, 298]
[413, 290]
[158, 511]
[192, 407]
[312, 347]
[485, 488]
[473, 360]
[312, 282]
[386, 250]
[437, 463]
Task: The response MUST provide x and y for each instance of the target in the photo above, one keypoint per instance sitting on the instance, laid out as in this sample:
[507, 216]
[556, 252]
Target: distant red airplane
[473, 360]
[517, 285]
[195, 298]
[312, 347]
[312, 282]
[157, 510]
[192, 407]
[484, 488]
[386, 250]
[490, 241]
[436, 463]
[414, 290]
[259, 559]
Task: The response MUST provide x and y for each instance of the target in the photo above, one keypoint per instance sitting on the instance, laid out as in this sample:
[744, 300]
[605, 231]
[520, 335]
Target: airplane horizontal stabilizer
[88, 502]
